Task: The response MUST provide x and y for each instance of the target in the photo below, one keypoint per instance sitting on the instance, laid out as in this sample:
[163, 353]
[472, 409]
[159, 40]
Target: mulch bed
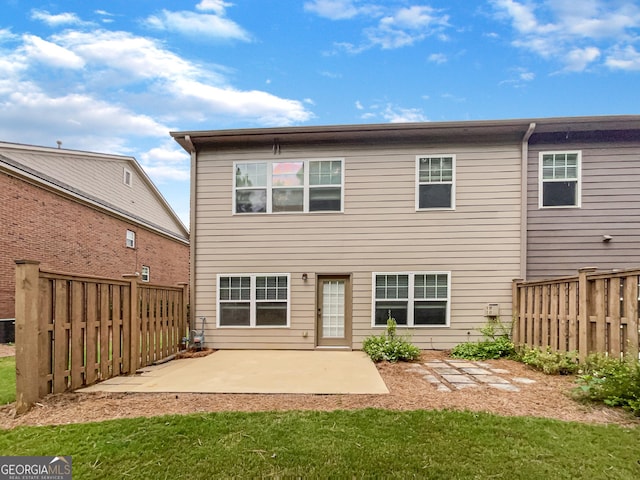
[548, 397]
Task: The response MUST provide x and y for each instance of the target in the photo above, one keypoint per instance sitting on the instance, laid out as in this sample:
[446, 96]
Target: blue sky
[116, 76]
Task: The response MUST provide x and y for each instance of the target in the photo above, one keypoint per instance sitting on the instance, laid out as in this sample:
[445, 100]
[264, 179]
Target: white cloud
[573, 33]
[165, 163]
[580, 58]
[50, 53]
[339, 9]
[395, 114]
[390, 26]
[58, 19]
[217, 6]
[627, 58]
[198, 25]
[438, 58]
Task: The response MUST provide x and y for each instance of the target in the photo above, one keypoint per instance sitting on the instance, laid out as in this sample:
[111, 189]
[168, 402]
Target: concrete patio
[256, 371]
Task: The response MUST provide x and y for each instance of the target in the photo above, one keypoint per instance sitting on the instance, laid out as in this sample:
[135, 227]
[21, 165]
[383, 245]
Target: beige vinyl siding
[379, 231]
[560, 241]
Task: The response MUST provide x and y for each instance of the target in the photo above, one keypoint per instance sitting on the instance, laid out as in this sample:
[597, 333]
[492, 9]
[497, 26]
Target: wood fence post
[27, 306]
[184, 321]
[515, 311]
[134, 326]
[584, 295]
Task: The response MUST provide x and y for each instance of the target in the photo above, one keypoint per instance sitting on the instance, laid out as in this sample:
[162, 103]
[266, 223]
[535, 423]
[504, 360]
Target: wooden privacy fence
[589, 312]
[73, 331]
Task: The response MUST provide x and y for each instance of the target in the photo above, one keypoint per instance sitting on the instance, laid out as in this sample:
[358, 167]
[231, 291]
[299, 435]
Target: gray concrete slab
[257, 371]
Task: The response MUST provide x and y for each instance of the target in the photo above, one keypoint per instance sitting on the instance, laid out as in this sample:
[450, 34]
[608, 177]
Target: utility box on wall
[492, 310]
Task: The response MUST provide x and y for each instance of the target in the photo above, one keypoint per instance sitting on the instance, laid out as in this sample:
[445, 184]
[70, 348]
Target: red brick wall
[66, 236]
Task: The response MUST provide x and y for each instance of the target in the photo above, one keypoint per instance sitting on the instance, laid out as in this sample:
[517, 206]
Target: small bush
[496, 343]
[390, 347]
[611, 381]
[551, 363]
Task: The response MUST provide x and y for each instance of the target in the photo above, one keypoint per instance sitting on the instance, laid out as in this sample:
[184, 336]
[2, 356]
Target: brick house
[85, 213]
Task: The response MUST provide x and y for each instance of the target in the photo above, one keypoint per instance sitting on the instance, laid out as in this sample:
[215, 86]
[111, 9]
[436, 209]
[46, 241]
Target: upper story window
[559, 179]
[127, 177]
[289, 186]
[435, 187]
[131, 239]
[412, 299]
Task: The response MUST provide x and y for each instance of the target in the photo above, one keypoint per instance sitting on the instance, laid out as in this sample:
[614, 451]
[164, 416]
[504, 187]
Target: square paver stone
[462, 386]
[525, 381]
[499, 370]
[461, 363]
[431, 379]
[446, 370]
[507, 387]
[435, 363]
[455, 379]
[475, 371]
[490, 379]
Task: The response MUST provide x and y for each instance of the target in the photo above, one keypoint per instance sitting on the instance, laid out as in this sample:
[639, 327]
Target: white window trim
[148, 274]
[306, 188]
[453, 182]
[411, 299]
[252, 300]
[126, 172]
[541, 181]
[130, 240]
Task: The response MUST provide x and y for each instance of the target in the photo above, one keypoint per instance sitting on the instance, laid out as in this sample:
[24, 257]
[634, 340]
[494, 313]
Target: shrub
[611, 381]
[389, 346]
[551, 363]
[496, 343]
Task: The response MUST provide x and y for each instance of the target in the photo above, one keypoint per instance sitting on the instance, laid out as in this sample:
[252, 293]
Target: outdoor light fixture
[305, 277]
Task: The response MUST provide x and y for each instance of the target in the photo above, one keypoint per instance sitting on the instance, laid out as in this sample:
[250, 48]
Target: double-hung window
[435, 188]
[130, 240]
[288, 186]
[253, 300]
[412, 299]
[559, 179]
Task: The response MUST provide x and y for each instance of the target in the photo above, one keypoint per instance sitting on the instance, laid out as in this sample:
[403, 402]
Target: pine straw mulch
[548, 397]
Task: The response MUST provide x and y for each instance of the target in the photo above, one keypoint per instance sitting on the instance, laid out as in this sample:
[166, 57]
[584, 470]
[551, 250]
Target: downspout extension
[192, 228]
[524, 160]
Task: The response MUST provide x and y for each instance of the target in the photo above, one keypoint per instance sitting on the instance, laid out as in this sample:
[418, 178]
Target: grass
[342, 444]
[7, 380]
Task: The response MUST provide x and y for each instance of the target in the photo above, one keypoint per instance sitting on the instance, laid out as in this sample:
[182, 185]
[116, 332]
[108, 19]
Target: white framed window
[127, 177]
[435, 182]
[131, 239]
[413, 299]
[289, 186]
[559, 179]
[253, 300]
[145, 273]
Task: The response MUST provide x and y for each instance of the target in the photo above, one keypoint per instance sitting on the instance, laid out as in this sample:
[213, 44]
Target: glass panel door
[334, 322]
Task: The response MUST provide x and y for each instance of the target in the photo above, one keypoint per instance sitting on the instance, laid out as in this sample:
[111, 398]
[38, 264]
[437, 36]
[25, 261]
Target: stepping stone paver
[499, 370]
[475, 371]
[491, 379]
[462, 386]
[432, 379]
[526, 381]
[506, 387]
[443, 388]
[446, 371]
[455, 379]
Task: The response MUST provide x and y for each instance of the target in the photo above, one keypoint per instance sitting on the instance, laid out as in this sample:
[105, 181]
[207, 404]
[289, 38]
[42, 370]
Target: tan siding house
[308, 237]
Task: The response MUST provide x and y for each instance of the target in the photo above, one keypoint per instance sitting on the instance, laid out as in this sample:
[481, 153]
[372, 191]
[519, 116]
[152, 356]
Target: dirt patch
[7, 350]
[548, 397]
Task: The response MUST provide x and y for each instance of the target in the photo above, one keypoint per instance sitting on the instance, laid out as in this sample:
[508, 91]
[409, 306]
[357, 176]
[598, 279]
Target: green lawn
[343, 444]
[7, 380]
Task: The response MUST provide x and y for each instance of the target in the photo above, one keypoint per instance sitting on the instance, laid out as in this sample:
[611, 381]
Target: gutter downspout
[524, 161]
[192, 232]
